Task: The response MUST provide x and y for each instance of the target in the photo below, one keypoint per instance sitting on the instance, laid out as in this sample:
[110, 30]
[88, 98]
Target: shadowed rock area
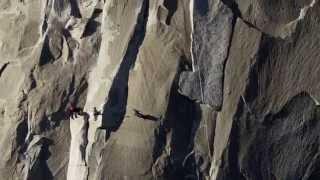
[212, 26]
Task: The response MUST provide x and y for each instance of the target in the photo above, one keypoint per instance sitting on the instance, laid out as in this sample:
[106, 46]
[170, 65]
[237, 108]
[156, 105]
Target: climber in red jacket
[73, 111]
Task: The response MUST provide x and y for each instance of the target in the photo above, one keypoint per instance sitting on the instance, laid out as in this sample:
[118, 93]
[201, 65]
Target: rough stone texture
[277, 18]
[187, 89]
[267, 127]
[43, 71]
[212, 26]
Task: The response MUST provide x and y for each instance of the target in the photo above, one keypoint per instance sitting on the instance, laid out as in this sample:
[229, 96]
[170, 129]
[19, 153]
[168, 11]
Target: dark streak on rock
[172, 6]
[92, 24]
[115, 108]
[3, 67]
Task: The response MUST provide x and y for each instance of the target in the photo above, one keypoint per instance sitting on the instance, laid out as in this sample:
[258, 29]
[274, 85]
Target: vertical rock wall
[184, 89]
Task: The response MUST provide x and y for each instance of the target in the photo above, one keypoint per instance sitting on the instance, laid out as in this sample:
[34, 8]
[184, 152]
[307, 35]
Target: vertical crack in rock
[115, 108]
[244, 47]
[75, 11]
[92, 25]
[52, 44]
[212, 24]
[3, 67]
[234, 7]
[133, 152]
[172, 6]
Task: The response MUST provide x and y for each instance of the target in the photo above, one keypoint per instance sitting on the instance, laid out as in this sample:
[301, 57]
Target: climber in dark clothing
[73, 111]
[96, 113]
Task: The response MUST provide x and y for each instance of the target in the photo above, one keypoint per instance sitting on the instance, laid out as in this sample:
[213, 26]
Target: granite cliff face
[184, 89]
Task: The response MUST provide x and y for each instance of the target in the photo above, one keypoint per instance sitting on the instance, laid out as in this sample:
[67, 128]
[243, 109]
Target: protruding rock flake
[159, 90]
[212, 27]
